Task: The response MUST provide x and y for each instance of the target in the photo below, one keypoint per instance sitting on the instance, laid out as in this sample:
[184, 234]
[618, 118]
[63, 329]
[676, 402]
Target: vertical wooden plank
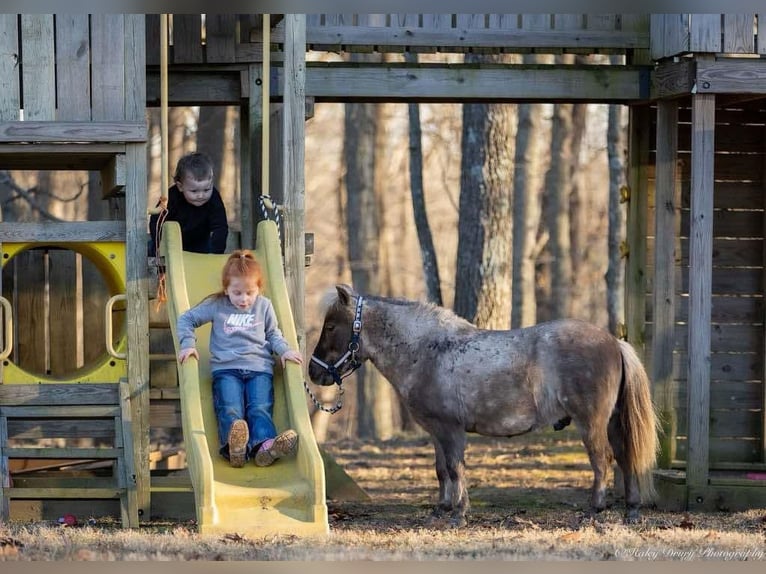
[73, 66]
[763, 374]
[138, 316]
[134, 43]
[761, 36]
[635, 277]
[537, 22]
[470, 22]
[705, 33]
[676, 39]
[187, 38]
[10, 102]
[94, 298]
[63, 295]
[245, 179]
[601, 21]
[657, 36]
[135, 67]
[250, 27]
[637, 23]
[437, 22]
[255, 127]
[700, 277]
[130, 514]
[5, 472]
[738, 33]
[108, 66]
[10, 106]
[38, 69]
[294, 154]
[667, 206]
[220, 37]
[30, 320]
[152, 36]
[276, 154]
[504, 21]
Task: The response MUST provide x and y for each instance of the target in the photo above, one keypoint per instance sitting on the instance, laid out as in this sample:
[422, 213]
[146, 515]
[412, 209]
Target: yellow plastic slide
[287, 497]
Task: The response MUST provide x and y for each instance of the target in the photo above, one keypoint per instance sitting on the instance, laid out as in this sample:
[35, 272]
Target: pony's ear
[344, 294]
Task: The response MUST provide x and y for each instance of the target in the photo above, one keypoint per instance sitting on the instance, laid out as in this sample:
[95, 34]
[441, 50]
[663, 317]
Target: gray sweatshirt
[239, 339]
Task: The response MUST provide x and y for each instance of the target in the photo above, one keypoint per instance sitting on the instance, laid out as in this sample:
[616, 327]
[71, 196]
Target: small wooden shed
[704, 163]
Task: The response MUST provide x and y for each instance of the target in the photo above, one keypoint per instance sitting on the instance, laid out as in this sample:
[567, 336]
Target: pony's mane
[425, 311]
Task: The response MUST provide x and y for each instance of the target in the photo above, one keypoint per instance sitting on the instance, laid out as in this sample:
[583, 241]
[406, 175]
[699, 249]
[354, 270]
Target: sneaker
[238, 437]
[285, 444]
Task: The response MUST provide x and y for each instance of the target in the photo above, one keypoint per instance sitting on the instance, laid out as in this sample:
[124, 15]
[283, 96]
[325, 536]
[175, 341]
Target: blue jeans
[242, 394]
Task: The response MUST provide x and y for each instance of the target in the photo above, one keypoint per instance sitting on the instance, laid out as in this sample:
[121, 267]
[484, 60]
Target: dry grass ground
[529, 497]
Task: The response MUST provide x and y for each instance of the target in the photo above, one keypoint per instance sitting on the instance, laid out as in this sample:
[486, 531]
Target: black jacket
[204, 229]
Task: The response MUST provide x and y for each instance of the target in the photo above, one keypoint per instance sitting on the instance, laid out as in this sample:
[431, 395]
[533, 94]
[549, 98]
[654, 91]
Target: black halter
[348, 363]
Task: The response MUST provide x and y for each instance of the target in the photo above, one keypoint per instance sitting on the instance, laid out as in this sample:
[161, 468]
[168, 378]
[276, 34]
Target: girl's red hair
[241, 263]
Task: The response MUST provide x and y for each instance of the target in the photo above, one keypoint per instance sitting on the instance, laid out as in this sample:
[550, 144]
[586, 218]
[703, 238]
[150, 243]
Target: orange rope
[162, 295]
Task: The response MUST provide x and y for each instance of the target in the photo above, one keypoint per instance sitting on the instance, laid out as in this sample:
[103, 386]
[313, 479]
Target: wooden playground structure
[76, 303]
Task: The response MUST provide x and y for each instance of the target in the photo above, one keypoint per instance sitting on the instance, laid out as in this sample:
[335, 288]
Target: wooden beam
[673, 79]
[113, 177]
[343, 82]
[67, 232]
[66, 132]
[668, 204]
[58, 156]
[459, 82]
[507, 38]
[731, 76]
[700, 276]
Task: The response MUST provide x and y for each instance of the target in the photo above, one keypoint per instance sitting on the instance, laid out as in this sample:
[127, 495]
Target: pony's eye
[330, 327]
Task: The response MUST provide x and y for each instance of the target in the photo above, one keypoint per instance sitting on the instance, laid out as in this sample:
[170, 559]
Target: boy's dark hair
[196, 164]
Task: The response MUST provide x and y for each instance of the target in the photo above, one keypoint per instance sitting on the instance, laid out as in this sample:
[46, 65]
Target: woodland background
[510, 214]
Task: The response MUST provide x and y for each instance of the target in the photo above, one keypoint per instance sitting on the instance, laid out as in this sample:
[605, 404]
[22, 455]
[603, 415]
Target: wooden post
[255, 127]
[294, 118]
[700, 289]
[667, 204]
[763, 351]
[136, 199]
[635, 278]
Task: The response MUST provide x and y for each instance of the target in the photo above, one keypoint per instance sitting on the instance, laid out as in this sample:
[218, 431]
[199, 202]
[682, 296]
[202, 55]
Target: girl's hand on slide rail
[184, 354]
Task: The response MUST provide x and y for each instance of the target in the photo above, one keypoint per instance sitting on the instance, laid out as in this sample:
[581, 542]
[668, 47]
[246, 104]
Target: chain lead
[332, 410]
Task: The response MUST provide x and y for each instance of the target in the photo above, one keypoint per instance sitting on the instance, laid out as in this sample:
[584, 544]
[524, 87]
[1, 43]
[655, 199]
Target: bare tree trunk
[616, 143]
[526, 211]
[427, 251]
[557, 216]
[578, 216]
[363, 233]
[483, 276]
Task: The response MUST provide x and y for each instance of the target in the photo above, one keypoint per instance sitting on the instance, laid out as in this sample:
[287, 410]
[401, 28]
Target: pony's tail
[639, 421]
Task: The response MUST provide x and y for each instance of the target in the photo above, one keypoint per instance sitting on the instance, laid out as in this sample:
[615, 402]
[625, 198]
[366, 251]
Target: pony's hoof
[632, 516]
[457, 522]
[436, 516]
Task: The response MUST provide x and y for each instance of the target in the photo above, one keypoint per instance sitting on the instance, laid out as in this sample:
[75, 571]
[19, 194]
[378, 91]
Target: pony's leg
[630, 480]
[453, 445]
[444, 503]
[599, 452]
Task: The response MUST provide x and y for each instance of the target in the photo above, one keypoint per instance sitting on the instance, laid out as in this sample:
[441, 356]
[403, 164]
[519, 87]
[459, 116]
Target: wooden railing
[679, 34]
[230, 38]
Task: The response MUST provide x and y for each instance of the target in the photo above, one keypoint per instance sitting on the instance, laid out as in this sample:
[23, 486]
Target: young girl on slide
[243, 337]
